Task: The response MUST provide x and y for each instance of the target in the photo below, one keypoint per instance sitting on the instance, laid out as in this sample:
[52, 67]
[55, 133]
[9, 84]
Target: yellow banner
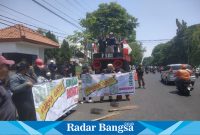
[102, 84]
[50, 100]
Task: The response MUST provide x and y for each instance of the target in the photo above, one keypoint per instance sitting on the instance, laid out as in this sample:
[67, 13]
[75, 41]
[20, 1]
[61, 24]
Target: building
[19, 42]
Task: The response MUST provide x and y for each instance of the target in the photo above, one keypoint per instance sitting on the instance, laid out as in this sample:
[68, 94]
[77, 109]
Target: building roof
[22, 33]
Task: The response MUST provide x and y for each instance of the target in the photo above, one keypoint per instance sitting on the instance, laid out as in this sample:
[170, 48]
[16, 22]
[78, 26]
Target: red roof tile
[21, 33]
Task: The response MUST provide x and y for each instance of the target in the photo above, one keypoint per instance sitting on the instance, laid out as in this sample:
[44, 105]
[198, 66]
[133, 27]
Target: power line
[153, 40]
[57, 14]
[60, 11]
[79, 4]
[17, 28]
[68, 1]
[31, 25]
[65, 7]
[29, 17]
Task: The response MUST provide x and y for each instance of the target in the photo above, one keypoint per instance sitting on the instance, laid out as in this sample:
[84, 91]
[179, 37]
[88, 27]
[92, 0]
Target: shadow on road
[177, 93]
[106, 101]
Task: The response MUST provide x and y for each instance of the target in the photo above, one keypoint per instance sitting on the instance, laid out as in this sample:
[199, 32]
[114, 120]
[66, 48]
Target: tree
[42, 31]
[65, 52]
[137, 53]
[110, 18]
[53, 52]
[147, 61]
[183, 48]
[114, 18]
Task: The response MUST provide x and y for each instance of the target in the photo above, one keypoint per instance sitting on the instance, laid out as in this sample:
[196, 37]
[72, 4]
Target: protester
[73, 69]
[52, 68]
[39, 68]
[21, 87]
[86, 70]
[110, 69]
[111, 43]
[7, 108]
[119, 97]
[66, 69]
[102, 46]
[140, 73]
[31, 73]
[41, 71]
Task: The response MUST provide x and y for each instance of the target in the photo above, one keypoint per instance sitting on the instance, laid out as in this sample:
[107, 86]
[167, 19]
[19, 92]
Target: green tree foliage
[183, 48]
[114, 18]
[53, 52]
[110, 17]
[137, 53]
[147, 61]
[65, 52]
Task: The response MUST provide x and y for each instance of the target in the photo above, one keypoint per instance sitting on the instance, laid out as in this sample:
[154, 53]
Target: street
[156, 102]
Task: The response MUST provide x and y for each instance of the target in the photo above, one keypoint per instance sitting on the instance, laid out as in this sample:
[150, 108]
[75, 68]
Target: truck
[118, 59]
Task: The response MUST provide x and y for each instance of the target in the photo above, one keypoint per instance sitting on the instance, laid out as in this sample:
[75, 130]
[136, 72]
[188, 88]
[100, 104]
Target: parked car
[168, 73]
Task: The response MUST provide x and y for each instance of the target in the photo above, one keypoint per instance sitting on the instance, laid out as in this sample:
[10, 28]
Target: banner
[55, 98]
[108, 84]
[101, 128]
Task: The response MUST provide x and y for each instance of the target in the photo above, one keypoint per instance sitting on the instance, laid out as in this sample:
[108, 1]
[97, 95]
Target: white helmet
[51, 61]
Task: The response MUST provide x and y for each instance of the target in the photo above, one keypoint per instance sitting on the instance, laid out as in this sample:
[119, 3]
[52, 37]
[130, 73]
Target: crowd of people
[16, 98]
[109, 45]
[109, 70]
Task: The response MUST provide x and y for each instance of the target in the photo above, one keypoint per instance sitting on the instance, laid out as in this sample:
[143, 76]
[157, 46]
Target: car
[168, 73]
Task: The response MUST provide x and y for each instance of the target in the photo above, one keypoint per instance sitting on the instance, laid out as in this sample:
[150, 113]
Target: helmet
[183, 66]
[39, 63]
[51, 61]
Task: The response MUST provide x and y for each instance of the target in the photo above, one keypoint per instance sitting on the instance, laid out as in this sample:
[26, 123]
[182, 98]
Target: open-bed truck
[119, 60]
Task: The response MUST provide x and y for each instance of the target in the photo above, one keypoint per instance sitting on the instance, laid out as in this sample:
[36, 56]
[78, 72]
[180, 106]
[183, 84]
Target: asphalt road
[156, 102]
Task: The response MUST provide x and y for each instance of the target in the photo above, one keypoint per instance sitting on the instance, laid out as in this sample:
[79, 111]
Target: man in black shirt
[21, 87]
[140, 74]
[102, 45]
[7, 108]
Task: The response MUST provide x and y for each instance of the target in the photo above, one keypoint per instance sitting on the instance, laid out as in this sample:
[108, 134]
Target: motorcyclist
[146, 69]
[182, 76]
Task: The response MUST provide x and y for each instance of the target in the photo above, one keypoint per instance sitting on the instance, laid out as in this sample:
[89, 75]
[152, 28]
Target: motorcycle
[184, 87]
[153, 71]
[146, 71]
[197, 73]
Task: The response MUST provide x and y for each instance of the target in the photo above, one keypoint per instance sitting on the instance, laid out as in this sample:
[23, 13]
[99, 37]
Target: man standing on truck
[102, 46]
[111, 43]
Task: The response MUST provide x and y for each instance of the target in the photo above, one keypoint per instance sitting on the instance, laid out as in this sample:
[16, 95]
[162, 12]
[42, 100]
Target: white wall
[27, 49]
[8, 47]
[41, 53]
[23, 47]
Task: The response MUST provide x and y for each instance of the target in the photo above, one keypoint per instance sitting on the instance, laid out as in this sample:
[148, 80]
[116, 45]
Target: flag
[125, 45]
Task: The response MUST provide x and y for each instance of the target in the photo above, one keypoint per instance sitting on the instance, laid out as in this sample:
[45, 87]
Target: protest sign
[108, 84]
[55, 98]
